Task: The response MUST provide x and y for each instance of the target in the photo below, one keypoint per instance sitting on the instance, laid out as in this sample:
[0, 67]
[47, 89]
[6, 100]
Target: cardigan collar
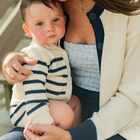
[97, 9]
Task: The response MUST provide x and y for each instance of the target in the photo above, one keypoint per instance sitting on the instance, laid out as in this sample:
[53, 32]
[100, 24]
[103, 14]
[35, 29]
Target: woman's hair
[26, 3]
[127, 7]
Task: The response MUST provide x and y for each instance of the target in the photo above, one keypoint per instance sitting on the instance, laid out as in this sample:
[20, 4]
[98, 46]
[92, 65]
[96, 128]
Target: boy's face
[45, 25]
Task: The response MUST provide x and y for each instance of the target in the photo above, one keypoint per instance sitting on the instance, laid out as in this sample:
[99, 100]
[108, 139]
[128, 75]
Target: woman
[103, 48]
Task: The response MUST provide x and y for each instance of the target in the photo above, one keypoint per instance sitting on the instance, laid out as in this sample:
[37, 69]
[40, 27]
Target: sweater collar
[49, 46]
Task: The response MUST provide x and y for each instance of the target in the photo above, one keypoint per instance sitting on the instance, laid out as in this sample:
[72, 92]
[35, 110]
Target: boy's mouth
[51, 36]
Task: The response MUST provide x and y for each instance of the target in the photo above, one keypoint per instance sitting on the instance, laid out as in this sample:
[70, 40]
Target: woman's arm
[84, 131]
[12, 63]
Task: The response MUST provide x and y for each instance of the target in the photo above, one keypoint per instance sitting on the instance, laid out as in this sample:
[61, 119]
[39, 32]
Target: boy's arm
[35, 91]
[35, 94]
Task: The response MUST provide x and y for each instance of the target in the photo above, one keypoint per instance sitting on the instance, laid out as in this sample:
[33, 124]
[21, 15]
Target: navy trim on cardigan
[85, 131]
[94, 17]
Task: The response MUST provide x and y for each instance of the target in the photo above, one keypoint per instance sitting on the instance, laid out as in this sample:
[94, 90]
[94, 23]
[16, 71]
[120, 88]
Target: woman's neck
[75, 6]
[79, 30]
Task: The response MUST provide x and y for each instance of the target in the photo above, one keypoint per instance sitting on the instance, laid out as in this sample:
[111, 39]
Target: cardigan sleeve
[35, 92]
[84, 131]
[123, 110]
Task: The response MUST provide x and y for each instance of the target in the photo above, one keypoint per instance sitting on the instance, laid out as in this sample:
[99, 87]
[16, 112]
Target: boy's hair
[27, 3]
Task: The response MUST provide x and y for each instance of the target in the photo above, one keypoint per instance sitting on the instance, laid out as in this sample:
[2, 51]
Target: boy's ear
[26, 29]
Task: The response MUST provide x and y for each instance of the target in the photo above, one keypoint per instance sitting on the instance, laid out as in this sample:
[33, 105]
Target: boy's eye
[40, 23]
[56, 19]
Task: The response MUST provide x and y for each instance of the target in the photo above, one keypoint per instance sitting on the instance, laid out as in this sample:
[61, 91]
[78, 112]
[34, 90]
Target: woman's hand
[50, 132]
[12, 62]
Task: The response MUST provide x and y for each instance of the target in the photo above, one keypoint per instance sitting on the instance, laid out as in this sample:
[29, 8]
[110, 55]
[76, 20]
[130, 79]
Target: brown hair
[27, 3]
[127, 7]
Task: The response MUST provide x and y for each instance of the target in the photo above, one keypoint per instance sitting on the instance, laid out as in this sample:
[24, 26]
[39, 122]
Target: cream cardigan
[120, 78]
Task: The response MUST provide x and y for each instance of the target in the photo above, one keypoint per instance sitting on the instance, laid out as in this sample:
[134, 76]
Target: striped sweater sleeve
[37, 108]
[35, 94]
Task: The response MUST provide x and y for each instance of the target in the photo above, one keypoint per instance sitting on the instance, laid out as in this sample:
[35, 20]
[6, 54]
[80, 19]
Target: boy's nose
[50, 28]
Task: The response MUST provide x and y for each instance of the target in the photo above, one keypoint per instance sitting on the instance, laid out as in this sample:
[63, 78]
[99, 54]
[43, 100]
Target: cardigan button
[100, 46]
[92, 16]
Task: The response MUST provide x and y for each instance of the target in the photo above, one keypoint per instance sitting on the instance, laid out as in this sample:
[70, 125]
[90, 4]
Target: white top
[84, 65]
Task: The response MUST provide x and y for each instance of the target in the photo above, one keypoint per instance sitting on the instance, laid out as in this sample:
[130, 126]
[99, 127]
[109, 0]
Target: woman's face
[46, 25]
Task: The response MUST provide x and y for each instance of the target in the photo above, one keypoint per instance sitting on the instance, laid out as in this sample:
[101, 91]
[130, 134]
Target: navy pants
[90, 103]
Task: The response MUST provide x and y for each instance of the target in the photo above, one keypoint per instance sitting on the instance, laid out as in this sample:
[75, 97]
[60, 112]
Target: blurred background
[12, 38]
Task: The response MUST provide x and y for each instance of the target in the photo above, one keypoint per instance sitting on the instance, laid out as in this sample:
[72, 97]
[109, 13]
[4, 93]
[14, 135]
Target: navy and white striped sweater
[51, 80]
